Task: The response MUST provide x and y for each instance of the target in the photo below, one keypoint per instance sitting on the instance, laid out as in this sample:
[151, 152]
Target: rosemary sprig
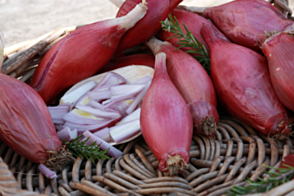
[275, 179]
[172, 25]
[78, 148]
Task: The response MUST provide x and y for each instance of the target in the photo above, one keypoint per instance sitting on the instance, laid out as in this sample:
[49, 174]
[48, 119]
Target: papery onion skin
[147, 27]
[166, 122]
[25, 122]
[194, 24]
[245, 21]
[81, 54]
[279, 53]
[193, 83]
[242, 82]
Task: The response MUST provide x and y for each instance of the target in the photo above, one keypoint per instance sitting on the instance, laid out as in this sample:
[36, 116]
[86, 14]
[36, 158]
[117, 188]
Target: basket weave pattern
[215, 165]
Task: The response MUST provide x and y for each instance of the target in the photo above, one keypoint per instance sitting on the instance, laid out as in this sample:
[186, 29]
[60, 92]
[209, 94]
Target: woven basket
[215, 164]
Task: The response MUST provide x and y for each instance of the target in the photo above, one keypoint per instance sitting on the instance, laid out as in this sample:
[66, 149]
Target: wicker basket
[215, 165]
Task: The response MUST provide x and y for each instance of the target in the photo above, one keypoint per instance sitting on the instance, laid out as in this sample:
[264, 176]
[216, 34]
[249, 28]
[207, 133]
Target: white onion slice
[114, 152]
[143, 80]
[81, 117]
[84, 100]
[57, 112]
[119, 106]
[74, 95]
[133, 116]
[46, 171]
[111, 78]
[96, 104]
[67, 134]
[125, 130]
[99, 113]
[103, 134]
[99, 95]
[126, 89]
[138, 99]
[94, 127]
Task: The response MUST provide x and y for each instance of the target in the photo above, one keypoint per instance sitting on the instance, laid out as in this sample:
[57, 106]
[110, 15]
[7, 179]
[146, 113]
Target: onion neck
[211, 34]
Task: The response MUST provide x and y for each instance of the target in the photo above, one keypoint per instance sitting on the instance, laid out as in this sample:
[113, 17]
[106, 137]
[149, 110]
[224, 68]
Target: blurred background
[22, 20]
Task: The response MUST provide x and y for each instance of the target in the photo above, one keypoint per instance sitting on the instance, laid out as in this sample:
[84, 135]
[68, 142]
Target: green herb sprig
[275, 179]
[172, 25]
[78, 148]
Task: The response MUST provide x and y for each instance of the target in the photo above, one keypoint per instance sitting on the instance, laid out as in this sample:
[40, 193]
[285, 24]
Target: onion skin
[279, 53]
[147, 27]
[192, 21]
[245, 21]
[193, 83]
[135, 59]
[25, 124]
[166, 122]
[242, 82]
[80, 54]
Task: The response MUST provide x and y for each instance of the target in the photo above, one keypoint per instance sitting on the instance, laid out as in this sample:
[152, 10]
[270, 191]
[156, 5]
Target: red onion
[166, 122]
[279, 52]
[193, 83]
[242, 82]
[245, 21]
[149, 25]
[26, 125]
[192, 21]
[81, 54]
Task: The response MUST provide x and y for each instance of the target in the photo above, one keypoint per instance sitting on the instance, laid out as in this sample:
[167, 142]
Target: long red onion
[279, 52]
[243, 85]
[194, 84]
[84, 52]
[166, 122]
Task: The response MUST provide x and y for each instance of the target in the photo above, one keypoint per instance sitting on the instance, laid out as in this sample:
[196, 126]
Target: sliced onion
[96, 105]
[46, 171]
[67, 134]
[133, 116]
[143, 80]
[74, 95]
[113, 152]
[138, 99]
[94, 127]
[57, 112]
[119, 106]
[125, 130]
[103, 134]
[126, 89]
[99, 95]
[99, 113]
[81, 117]
[84, 100]
[111, 78]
